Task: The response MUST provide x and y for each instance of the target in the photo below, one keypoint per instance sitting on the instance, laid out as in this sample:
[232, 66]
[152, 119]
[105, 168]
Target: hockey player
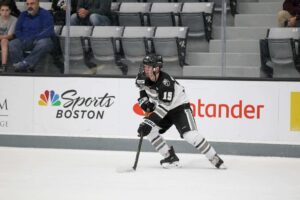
[165, 98]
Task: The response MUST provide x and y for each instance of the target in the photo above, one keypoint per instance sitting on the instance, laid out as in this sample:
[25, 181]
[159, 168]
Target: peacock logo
[49, 98]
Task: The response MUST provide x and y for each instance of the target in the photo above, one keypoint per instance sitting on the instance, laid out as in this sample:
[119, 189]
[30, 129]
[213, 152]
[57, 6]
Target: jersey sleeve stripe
[166, 110]
[160, 112]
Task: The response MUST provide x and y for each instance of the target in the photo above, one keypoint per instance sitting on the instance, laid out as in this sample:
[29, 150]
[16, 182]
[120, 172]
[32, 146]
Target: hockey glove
[145, 127]
[146, 105]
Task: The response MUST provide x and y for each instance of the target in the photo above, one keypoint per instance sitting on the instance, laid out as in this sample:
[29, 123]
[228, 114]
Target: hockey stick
[132, 169]
[138, 153]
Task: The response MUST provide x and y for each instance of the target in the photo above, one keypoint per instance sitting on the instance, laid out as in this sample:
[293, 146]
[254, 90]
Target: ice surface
[55, 174]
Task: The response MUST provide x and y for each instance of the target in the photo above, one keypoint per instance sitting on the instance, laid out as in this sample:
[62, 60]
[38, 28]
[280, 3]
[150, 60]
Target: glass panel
[225, 38]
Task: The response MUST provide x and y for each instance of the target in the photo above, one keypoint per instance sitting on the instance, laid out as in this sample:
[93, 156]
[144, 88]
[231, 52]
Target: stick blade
[125, 169]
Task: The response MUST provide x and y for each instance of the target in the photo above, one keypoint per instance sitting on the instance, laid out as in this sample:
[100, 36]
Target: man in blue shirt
[34, 30]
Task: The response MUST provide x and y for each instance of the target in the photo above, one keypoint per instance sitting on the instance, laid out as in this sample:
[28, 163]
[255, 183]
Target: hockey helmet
[153, 60]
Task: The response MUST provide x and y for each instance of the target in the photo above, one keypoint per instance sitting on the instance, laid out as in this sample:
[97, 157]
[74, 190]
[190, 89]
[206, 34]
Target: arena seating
[242, 58]
[250, 23]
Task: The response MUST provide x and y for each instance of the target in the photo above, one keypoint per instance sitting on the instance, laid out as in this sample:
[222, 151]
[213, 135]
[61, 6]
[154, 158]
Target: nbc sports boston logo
[71, 105]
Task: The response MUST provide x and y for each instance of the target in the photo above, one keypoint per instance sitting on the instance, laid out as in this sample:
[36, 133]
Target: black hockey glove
[146, 105]
[145, 127]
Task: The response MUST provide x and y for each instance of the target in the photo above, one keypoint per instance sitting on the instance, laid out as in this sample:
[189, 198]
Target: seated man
[34, 30]
[90, 12]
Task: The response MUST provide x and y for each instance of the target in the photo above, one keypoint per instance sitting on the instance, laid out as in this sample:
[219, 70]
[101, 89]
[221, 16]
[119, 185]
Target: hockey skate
[171, 161]
[217, 162]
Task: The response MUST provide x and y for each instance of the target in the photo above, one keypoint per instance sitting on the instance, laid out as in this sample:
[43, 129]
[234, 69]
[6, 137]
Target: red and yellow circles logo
[138, 110]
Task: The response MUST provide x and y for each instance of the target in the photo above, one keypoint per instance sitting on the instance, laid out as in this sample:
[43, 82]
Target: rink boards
[260, 113]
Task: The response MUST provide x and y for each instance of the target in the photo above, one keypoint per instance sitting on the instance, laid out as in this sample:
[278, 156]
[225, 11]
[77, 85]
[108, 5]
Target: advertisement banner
[16, 108]
[289, 113]
[225, 111]
[76, 106]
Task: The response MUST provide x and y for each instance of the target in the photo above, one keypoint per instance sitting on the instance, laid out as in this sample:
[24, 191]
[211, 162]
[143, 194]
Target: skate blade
[222, 167]
[173, 165]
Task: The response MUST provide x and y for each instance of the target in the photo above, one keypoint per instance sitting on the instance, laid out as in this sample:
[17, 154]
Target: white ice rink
[53, 174]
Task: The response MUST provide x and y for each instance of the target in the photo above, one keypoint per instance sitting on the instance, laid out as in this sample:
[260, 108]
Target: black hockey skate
[218, 162]
[171, 161]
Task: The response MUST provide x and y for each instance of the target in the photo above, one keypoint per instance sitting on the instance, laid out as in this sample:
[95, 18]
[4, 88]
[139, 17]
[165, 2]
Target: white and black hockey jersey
[166, 93]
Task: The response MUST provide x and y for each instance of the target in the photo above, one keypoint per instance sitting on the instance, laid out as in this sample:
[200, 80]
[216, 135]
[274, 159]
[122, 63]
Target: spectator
[288, 17]
[7, 29]
[92, 12]
[292, 6]
[34, 30]
[13, 7]
[285, 19]
[59, 10]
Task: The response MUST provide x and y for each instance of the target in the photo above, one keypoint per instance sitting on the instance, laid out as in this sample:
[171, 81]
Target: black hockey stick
[136, 156]
[132, 169]
[138, 153]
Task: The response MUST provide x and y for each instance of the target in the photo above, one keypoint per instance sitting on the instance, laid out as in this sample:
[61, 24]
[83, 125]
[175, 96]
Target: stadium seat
[105, 44]
[77, 34]
[282, 43]
[136, 42]
[133, 14]
[198, 17]
[164, 14]
[283, 33]
[170, 42]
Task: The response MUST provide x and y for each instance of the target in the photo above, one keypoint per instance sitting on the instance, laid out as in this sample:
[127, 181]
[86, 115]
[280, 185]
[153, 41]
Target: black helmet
[153, 60]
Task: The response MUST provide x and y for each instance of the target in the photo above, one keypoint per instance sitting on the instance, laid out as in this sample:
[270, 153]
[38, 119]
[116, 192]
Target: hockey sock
[200, 143]
[159, 143]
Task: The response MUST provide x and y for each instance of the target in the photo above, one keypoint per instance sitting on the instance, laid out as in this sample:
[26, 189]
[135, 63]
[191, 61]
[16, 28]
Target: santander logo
[237, 110]
[138, 110]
